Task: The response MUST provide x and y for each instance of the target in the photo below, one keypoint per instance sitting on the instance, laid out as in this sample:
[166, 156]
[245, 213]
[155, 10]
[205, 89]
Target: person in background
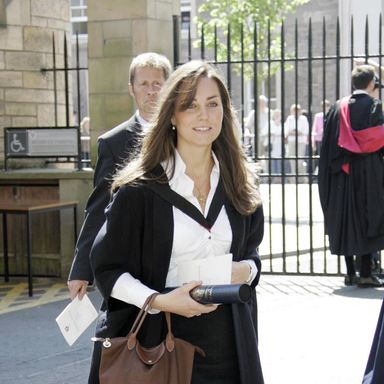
[85, 138]
[261, 129]
[277, 145]
[318, 127]
[296, 127]
[147, 74]
[188, 195]
[351, 177]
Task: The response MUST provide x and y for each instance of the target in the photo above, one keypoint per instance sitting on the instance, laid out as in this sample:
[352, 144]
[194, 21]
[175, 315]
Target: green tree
[243, 17]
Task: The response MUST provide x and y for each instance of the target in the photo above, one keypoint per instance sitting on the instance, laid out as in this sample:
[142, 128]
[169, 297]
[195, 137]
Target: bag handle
[169, 341]
[142, 314]
[132, 336]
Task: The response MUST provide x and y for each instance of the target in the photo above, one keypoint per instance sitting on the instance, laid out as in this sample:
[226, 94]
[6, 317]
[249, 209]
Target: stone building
[26, 93]
[316, 11]
[118, 30]
[351, 14]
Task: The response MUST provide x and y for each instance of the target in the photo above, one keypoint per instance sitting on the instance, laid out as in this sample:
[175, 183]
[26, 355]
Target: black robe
[351, 177]
[374, 372]
[137, 238]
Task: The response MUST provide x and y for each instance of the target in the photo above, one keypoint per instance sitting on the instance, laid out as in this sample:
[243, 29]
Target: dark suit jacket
[137, 238]
[114, 148]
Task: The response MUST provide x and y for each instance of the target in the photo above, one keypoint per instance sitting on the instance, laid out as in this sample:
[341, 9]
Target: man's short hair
[362, 75]
[150, 60]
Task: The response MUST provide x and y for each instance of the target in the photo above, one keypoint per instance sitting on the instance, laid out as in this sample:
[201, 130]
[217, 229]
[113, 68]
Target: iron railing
[295, 239]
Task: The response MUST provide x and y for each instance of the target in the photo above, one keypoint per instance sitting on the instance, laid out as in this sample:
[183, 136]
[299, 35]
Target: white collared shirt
[359, 92]
[144, 123]
[190, 239]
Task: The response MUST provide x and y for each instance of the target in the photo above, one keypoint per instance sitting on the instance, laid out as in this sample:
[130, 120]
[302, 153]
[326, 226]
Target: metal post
[5, 248]
[29, 254]
[79, 159]
[176, 40]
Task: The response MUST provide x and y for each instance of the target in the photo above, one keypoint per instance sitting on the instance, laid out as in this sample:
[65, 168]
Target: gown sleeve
[117, 247]
[255, 236]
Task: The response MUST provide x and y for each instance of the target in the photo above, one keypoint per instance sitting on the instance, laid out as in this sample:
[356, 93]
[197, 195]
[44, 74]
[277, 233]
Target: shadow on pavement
[362, 293]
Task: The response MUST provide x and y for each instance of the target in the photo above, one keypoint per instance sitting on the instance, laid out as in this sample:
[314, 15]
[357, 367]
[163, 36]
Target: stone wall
[316, 12]
[118, 30]
[26, 93]
[330, 11]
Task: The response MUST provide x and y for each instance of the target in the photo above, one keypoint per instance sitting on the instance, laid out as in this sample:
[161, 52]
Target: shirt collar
[182, 183]
[359, 92]
[144, 123]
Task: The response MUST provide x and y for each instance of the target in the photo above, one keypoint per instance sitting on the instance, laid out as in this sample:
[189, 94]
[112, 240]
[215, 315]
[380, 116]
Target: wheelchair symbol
[16, 145]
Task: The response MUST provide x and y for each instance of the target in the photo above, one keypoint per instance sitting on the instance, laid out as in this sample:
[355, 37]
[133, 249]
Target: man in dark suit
[147, 74]
[351, 177]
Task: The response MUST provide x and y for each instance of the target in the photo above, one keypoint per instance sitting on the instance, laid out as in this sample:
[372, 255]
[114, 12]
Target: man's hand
[77, 287]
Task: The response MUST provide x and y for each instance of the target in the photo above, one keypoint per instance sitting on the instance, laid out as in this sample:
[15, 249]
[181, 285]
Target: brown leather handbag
[125, 361]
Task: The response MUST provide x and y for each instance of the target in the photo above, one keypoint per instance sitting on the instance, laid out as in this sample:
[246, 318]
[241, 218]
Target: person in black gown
[351, 177]
[189, 195]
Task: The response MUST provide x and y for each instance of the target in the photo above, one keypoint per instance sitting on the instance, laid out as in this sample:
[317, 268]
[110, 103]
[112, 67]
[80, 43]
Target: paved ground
[312, 330]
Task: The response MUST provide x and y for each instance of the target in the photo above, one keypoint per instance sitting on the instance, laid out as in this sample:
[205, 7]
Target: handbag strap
[142, 314]
[132, 336]
[169, 341]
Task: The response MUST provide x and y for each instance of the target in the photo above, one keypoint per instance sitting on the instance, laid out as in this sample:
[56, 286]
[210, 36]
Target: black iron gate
[309, 70]
[71, 74]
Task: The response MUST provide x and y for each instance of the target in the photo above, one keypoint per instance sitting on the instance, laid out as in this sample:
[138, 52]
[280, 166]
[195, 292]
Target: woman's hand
[180, 302]
[240, 272]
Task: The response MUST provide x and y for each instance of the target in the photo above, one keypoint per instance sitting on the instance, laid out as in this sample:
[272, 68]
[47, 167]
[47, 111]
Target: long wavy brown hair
[159, 144]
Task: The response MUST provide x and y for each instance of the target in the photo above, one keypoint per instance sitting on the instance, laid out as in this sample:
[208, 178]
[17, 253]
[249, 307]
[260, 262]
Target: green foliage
[245, 15]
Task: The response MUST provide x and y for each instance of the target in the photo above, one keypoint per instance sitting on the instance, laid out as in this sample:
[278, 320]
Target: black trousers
[365, 267]
[214, 333]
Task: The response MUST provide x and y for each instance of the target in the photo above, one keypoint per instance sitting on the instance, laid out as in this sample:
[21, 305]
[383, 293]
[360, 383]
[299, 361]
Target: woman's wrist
[158, 302]
[248, 276]
[251, 271]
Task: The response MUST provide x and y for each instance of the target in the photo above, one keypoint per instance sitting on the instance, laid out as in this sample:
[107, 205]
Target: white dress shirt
[144, 123]
[190, 239]
[302, 128]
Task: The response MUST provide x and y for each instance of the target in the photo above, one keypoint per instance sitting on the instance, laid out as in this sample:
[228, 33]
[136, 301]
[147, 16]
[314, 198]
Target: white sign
[42, 142]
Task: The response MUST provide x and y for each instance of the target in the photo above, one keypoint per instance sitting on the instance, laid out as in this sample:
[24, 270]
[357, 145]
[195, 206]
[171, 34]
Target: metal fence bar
[309, 146]
[283, 157]
[66, 69]
[324, 82]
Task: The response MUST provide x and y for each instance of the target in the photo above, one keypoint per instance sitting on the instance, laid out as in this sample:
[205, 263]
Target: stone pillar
[118, 30]
[26, 93]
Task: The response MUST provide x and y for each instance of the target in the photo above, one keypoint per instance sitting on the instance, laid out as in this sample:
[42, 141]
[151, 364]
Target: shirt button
[209, 237]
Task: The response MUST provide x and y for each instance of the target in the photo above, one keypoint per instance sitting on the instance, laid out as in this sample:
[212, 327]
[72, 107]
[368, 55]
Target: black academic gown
[137, 238]
[374, 372]
[353, 201]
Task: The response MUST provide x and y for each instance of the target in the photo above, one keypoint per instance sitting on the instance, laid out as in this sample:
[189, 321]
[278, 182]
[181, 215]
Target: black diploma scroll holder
[220, 294]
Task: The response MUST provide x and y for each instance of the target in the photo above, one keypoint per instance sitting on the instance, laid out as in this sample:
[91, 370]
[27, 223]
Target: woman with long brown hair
[189, 195]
